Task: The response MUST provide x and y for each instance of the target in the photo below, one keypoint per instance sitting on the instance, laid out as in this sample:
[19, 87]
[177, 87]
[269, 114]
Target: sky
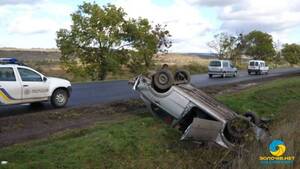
[192, 23]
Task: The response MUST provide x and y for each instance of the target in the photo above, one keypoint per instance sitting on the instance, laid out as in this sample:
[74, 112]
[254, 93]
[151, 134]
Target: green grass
[266, 99]
[144, 142]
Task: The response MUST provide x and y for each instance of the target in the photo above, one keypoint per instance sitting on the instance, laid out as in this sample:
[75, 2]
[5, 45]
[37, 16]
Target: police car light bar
[9, 61]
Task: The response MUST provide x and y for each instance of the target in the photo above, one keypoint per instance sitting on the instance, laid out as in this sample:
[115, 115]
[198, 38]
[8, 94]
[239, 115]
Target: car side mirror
[45, 79]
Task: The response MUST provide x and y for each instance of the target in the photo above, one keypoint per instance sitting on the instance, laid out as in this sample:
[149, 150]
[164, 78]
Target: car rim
[60, 98]
[163, 79]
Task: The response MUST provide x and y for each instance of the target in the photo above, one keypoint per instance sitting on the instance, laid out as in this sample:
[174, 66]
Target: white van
[257, 67]
[20, 84]
[221, 67]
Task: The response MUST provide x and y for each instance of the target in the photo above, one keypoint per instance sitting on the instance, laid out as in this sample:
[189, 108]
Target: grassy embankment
[144, 142]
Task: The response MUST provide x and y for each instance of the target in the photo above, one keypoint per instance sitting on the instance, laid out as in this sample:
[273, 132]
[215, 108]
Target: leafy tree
[259, 45]
[146, 42]
[228, 46]
[222, 44]
[291, 53]
[103, 39]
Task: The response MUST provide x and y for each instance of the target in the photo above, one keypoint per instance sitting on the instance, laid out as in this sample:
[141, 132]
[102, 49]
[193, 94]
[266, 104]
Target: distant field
[181, 59]
[47, 62]
[32, 55]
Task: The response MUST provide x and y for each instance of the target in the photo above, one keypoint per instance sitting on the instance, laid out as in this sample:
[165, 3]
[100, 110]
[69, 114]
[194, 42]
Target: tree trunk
[103, 70]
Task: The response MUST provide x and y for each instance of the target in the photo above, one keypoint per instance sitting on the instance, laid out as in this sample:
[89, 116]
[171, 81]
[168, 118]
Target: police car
[20, 84]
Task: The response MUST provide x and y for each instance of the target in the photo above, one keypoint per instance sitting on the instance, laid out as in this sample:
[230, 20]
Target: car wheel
[224, 75]
[210, 75]
[249, 73]
[236, 129]
[59, 98]
[253, 117]
[235, 74]
[163, 80]
[182, 76]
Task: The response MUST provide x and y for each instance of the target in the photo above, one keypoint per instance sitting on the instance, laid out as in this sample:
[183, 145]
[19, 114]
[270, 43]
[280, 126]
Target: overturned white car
[199, 116]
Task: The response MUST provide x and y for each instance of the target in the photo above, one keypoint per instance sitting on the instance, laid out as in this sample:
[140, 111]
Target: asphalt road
[104, 92]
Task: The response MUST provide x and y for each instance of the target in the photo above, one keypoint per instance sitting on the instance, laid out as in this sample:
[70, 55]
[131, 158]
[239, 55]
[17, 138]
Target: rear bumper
[218, 72]
[257, 70]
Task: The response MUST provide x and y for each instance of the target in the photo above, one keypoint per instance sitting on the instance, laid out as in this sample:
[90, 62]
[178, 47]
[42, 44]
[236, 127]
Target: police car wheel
[59, 98]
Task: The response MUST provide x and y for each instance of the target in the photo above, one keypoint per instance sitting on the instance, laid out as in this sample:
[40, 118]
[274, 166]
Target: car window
[225, 64]
[262, 64]
[215, 63]
[251, 64]
[256, 63]
[29, 75]
[7, 74]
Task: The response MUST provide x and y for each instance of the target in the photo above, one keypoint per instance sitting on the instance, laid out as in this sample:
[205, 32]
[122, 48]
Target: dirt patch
[16, 129]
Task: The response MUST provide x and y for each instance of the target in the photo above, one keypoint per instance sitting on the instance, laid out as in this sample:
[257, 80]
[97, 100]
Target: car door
[10, 87]
[33, 85]
[226, 67]
[232, 68]
[263, 67]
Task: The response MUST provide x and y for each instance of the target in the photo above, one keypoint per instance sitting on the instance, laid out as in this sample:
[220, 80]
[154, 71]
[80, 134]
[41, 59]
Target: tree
[227, 46]
[147, 41]
[259, 45]
[102, 40]
[291, 53]
[222, 44]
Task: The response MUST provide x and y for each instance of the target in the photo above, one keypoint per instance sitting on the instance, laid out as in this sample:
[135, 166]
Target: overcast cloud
[192, 23]
[14, 2]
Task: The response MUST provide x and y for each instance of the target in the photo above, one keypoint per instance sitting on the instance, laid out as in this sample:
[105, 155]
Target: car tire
[210, 75]
[182, 76]
[59, 98]
[224, 75]
[235, 131]
[163, 80]
[249, 72]
[253, 117]
[235, 74]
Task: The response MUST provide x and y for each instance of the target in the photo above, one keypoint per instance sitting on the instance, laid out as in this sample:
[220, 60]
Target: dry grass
[180, 60]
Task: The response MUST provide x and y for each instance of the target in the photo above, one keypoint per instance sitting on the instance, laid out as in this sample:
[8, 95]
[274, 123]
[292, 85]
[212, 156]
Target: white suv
[257, 67]
[20, 84]
[221, 67]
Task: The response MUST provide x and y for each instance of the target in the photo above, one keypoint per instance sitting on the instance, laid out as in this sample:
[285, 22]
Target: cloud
[35, 19]
[212, 2]
[15, 2]
[187, 27]
[30, 25]
[267, 15]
